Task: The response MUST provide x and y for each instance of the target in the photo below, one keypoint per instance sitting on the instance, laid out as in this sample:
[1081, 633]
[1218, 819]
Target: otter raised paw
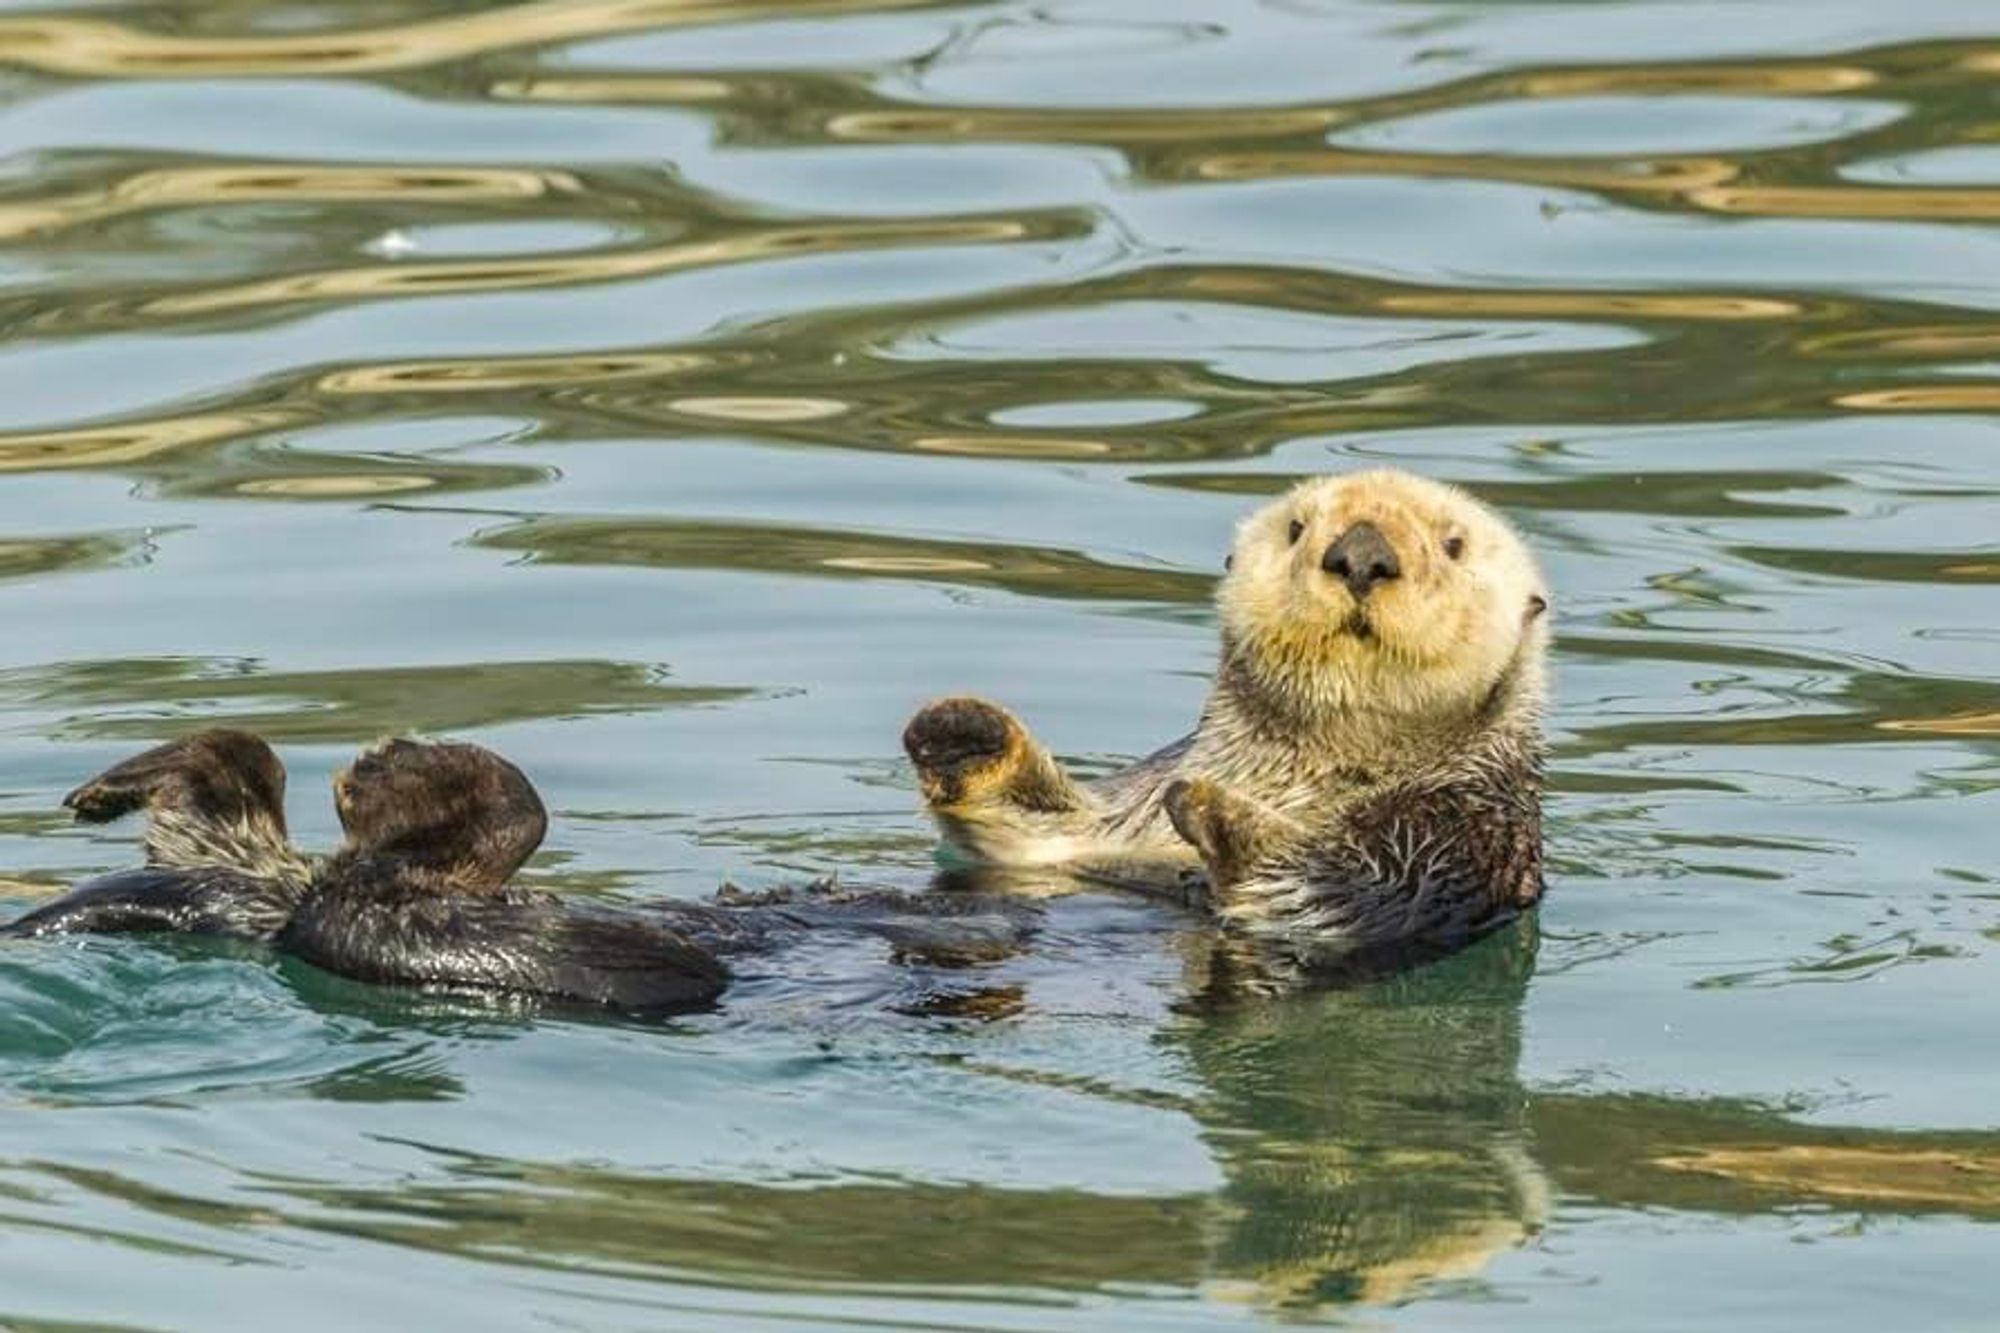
[965, 750]
[997, 793]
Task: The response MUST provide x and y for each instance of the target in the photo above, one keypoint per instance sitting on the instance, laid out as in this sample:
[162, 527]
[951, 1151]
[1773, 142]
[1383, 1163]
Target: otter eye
[1296, 531]
[1454, 547]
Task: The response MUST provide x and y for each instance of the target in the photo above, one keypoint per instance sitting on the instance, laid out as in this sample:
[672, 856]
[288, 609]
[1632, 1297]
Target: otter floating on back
[418, 894]
[1365, 778]
[1366, 773]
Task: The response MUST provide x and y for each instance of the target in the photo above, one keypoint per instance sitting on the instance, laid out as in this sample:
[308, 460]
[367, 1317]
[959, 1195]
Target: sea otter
[1366, 773]
[419, 893]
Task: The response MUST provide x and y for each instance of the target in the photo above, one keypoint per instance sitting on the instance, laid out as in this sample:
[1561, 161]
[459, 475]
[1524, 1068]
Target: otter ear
[1229, 562]
[1537, 604]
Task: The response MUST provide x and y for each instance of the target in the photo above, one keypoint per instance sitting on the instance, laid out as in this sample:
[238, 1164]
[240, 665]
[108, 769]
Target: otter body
[1366, 771]
[1365, 776]
[419, 896]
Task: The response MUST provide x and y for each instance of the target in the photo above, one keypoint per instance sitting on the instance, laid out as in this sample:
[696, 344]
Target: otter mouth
[1357, 625]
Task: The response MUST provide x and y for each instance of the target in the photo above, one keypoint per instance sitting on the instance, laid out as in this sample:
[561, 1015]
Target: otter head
[457, 816]
[1385, 592]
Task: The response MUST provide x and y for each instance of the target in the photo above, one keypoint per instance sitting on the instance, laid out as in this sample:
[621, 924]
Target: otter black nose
[1361, 559]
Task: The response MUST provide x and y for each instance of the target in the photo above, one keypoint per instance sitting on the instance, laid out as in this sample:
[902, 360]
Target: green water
[674, 393]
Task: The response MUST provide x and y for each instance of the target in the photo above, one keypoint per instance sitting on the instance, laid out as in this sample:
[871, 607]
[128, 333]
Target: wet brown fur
[455, 818]
[1366, 769]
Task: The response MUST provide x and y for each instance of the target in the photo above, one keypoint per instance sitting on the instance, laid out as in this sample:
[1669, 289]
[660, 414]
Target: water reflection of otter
[418, 895]
[1371, 1137]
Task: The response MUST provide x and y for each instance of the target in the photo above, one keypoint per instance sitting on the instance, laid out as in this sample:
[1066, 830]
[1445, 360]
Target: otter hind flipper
[215, 797]
[456, 815]
[418, 896]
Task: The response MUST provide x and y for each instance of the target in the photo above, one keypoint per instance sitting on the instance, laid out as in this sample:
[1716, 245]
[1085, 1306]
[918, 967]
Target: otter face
[1382, 590]
[457, 811]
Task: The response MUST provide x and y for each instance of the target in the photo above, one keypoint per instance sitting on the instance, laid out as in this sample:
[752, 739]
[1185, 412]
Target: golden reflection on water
[1925, 398]
[759, 409]
[1837, 1174]
[1678, 177]
[1706, 184]
[1776, 79]
[25, 557]
[1606, 305]
[1931, 204]
[1664, 1153]
[525, 372]
[799, 551]
[939, 125]
[666, 88]
[185, 186]
[1940, 341]
[563, 270]
[1966, 724]
[125, 700]
[351, 486]
[1139, 127]
[131, 442]
[98, 48]
[1015, 446]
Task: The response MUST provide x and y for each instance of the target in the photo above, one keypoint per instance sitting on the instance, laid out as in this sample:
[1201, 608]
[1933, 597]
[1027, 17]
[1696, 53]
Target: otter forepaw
[963, 749]
[1233, 833]
[1193, 806]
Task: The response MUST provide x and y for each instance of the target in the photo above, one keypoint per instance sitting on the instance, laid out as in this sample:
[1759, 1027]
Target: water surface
[674, 393]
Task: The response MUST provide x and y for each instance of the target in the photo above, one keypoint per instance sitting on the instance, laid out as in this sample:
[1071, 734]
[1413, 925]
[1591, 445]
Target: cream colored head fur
[1464, 613]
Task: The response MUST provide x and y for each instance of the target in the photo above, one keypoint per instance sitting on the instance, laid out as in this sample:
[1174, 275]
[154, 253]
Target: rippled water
[673, 393]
